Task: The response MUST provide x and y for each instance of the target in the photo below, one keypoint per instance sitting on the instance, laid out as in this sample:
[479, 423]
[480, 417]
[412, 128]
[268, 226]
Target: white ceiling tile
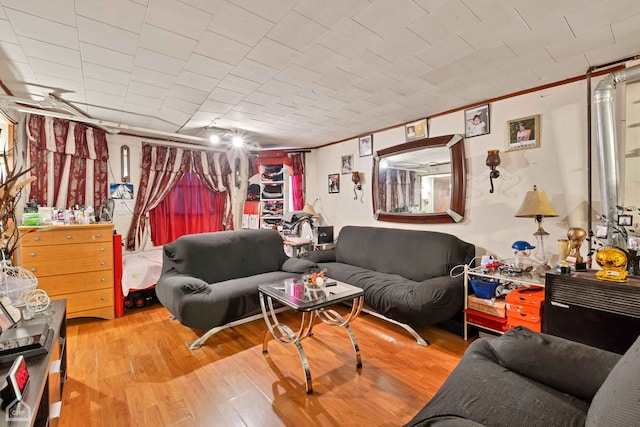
[165, 42]
[212, 106]
[590, 18]
[192, 95]
[42, 29]
[621, 49]
[206, 66]
[407, 68]
[197, 81]
[61, 11]
[254, 71]
[527, 61]
[163, 125]
[627, 29]
[152, 77]
[106, 114]
[567, 68]
[6, 32]
[57, 70]
[209, 6]
[535, 13]
[173, 116]
[144, 3]
[320, 59]
[601, 37]
[444, 21]
[408, 87]
[330, 13]
[350, 94]
[136, 100]
[487, 56]
[221, 48]
[106, 57]
[49, 83]
[226, 96]
[159, 62]
[106, 87]
[104, 99]
[445, 52]
[498, 28]
[180, 105]
[178, 17]
[364, 64]
[148, 90]
[136, 120]
[547, 33]
[273, 10]
[16, 71]
[349, 38]
[274, 54]
[385, 17]
[12, 52]
[441, 75]
[297, 76]
[262, 98]
[337, 79]
[118, 13]
[399, 45]
[108, 36]
[375, 82]
[276, 87]
[516, 82]
[239, 24]
[100, 72]
[249, 107]
[3, 15]
[41, 50]
[297, 31]
[238, 84]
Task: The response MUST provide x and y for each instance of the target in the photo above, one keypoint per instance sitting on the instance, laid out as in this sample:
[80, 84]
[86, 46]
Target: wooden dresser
[73, 262]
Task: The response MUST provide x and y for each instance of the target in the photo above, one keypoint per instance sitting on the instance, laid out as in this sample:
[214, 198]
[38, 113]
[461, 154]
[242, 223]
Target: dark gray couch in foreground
[210, 280]
[525, 378]
[405, 274]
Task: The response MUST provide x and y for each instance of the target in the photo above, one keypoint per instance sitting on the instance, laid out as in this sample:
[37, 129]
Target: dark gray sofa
[526, 378]
[405, 274]
[210, 280]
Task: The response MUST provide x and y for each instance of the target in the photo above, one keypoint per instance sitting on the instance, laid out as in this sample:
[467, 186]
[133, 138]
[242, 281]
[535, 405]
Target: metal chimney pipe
[606, 144]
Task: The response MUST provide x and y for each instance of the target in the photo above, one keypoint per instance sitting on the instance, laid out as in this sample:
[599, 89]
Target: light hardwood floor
[138, 371]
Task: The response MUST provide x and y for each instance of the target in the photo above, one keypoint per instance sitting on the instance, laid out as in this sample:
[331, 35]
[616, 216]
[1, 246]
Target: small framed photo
[476, 121]
[6, 320]
[633, 243]
[334, 183]
[365, 145]
[523, 133]
[121, 191]
[602, 231]
[625, 220]
[415, 130]
[347, 164]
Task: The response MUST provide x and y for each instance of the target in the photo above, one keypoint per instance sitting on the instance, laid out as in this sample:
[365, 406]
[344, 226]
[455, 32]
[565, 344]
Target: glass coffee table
[311, 304]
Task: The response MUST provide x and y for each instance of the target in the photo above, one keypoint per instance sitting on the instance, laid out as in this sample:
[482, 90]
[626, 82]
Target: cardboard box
[533, 296]
[492, 307]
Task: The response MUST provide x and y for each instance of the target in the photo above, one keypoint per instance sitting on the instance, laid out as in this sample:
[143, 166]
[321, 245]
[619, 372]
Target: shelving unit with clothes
[273, 194]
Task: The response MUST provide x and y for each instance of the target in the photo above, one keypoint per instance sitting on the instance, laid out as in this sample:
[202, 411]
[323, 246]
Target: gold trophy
[564, 248]
[576, 235]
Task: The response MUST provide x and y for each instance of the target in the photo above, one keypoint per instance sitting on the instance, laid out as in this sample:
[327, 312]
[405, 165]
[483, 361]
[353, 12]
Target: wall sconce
[355, 178]
[493, 161]
[124, 163]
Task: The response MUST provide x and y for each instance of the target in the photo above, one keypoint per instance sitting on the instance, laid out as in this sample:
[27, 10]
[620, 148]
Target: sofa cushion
[617, 403]
[415, 255]
[298, 265]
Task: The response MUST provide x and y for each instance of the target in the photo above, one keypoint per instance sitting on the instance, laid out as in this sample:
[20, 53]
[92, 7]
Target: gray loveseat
[210, 280]
[526, 378]
[405, 274]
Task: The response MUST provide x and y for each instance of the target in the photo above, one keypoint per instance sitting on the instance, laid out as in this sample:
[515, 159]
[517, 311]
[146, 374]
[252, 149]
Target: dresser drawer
[66, 259]
[83, 301]
[35, 238]
[78, 282]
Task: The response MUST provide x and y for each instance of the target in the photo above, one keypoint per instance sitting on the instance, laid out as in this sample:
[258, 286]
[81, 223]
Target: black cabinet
[601, 314]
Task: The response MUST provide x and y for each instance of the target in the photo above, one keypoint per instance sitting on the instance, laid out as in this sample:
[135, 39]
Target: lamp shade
[310, 210]
[536, 204]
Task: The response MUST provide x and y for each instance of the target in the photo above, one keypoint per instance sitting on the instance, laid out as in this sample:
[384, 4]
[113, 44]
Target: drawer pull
[102, 263]
[101, 249]
[37, 239]
[69, 237]
[102, 279]
[103, 298]
[33, 270]
[98, 236]
[32, 254]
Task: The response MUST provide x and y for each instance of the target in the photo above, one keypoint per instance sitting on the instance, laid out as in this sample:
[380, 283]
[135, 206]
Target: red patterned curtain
[297, 186]
[162, 168]
[189, 208]
[70, 161]
[397, 190]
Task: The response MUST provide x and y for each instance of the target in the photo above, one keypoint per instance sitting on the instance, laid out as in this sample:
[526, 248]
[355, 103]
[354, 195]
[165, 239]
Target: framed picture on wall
[347, 164]
[476, 121]
[334, 183]
[523, 133]
[415, 130]
[365, 145]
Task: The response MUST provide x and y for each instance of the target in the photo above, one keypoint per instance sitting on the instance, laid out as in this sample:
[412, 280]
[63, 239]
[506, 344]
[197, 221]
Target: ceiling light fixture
[237, 141]
[214, 139]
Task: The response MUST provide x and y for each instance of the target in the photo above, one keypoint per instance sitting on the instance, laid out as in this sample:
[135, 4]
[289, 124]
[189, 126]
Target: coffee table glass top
[334, 292]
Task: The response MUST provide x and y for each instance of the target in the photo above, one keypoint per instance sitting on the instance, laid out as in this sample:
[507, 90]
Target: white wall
[559, 167]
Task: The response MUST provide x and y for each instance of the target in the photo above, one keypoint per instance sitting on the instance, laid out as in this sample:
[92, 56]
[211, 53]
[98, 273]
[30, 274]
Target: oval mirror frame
[455, 212]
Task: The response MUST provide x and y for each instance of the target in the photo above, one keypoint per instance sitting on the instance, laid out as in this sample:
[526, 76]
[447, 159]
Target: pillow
[327, 255]
[297, 265]
[617, 403]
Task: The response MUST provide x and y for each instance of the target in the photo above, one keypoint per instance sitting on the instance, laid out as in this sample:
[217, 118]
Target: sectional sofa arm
[327, 255]
[564, 365]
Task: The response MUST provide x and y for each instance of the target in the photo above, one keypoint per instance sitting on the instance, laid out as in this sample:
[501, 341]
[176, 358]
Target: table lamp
[536, 205]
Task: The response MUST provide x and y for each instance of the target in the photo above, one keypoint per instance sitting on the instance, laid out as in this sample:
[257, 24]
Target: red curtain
[297, 186]
[189, 208]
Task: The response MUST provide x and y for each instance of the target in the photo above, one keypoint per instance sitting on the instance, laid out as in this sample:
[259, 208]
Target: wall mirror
[422, 181]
